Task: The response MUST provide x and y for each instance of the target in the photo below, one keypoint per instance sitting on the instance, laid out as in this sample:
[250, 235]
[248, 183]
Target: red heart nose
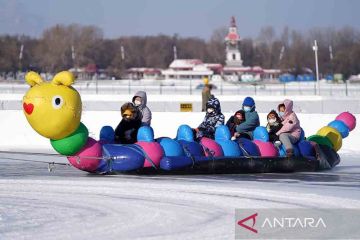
[28, 108]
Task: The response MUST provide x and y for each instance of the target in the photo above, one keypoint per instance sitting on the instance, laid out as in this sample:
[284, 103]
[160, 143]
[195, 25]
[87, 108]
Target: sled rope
[141, 150]
[188, 153]
[247, 155]
[51, 165]
[53, 155]
[211, 154]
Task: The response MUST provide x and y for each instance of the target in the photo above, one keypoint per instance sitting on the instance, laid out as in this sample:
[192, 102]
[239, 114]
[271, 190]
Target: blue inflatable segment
[222, 132]
[302, 135]
[192, 149]
[103, 167]
[340, 127]
[171, 147]
[250, 147]
[282, 151]
[260, 133]
[185, 133]
[124, 158]
[107, 134]
[145, 134]
[222, 137]
[230, 148]
[307, 150]
[172, 163]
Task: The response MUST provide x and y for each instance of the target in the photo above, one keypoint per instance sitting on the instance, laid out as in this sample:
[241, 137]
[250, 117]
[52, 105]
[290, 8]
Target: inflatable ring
[333, 135]
[321, 140]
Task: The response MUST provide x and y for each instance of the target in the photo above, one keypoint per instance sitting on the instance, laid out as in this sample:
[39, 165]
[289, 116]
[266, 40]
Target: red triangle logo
[242, 223]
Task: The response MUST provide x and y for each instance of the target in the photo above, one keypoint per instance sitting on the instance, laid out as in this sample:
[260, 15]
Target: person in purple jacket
[290, 132]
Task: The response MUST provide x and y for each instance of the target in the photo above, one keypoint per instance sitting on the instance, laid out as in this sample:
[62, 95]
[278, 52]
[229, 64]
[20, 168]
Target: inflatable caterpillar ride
[54, 108]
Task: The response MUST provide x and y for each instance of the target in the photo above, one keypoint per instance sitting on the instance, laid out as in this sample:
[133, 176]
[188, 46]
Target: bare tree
[52, 52]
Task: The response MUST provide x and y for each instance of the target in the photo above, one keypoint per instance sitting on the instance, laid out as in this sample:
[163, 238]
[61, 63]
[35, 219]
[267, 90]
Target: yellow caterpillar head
[53, 109]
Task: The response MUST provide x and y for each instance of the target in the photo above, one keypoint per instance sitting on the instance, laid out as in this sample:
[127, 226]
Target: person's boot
[289, 153]
[277, 144]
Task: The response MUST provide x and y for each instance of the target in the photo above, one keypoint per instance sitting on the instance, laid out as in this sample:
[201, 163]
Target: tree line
[66, 46]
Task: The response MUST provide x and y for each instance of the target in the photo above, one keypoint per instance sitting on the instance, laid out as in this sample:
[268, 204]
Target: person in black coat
[273, 125]
[235, 120]
[126, 131]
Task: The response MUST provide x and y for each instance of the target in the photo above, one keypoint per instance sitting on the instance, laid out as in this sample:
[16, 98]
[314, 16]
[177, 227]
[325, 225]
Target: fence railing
[190, 87]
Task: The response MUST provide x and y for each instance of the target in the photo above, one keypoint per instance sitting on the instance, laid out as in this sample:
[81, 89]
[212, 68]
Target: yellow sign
[186, 107]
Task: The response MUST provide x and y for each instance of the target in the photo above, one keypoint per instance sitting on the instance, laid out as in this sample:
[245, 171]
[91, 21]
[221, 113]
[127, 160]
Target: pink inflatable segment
[267, 149]
[88, 158]
[213, 146]
[154, 151]
[348, 119]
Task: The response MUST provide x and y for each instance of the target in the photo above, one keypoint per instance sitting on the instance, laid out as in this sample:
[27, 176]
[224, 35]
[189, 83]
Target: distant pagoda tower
[233, 55]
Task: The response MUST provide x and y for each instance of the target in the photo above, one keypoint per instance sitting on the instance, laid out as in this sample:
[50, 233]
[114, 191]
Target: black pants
[273, 137]
[245, 135]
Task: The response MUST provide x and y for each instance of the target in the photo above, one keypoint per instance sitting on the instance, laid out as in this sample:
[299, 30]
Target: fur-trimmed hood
[130, 110]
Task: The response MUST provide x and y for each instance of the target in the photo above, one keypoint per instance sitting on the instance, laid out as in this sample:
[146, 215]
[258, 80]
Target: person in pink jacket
[290, 132]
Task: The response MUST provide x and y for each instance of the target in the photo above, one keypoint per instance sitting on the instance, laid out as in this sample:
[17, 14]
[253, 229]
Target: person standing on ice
[252, 121]
[205, 95]
[290, 132]
[140, 101]
[213, 119]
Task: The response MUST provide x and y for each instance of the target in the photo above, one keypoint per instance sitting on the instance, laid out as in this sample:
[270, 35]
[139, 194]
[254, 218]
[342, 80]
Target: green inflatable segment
[320, 140]
[70, 145]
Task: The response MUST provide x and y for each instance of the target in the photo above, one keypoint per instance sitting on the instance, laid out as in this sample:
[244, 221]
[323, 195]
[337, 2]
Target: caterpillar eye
[57, 102]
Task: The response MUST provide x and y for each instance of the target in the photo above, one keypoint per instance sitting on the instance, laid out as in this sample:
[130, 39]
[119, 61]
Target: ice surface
[70, 204]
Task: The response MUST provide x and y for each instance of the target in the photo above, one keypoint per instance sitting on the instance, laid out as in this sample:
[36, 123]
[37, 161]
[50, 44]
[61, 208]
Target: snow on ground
[71, 204]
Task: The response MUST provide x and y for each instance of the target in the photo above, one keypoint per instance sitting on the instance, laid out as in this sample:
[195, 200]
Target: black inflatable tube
[327, 158]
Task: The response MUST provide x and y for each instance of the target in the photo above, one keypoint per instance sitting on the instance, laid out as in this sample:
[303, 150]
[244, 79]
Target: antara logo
[242, 223]
[292, 222]
[283, 222]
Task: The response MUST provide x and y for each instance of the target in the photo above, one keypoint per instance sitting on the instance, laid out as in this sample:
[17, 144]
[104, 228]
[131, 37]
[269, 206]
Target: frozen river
[70, 204]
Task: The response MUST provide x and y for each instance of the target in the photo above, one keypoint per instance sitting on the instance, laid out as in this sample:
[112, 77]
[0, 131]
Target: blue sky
[196, 18]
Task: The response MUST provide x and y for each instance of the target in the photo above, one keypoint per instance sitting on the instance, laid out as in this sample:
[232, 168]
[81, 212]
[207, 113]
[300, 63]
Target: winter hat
[214, 103]
[249, 101]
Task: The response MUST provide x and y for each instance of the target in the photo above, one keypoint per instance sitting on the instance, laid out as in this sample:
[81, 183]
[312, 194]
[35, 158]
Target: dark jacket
[274, 127]
[212, 120]
[252, 121]
[126, 131]
[145, 111]
[232, 123]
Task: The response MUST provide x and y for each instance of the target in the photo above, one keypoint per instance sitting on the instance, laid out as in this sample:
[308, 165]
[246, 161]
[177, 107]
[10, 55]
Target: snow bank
[16, 133]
